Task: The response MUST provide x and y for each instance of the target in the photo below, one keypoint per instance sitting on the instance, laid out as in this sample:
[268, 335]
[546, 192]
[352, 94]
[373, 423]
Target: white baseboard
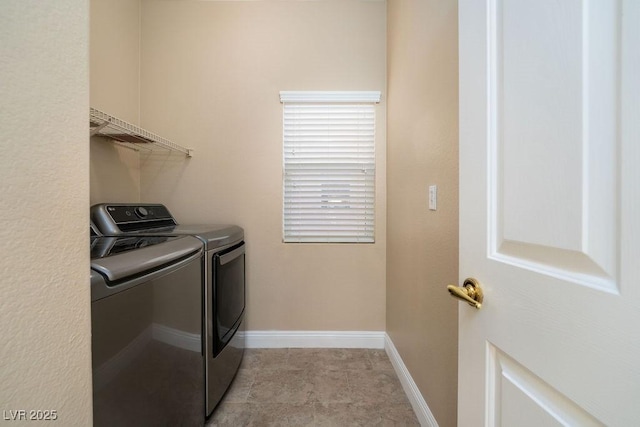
[314, 339]
[418, 403]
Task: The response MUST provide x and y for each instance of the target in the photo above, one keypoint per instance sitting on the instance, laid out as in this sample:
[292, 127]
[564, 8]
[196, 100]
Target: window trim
[352, 97]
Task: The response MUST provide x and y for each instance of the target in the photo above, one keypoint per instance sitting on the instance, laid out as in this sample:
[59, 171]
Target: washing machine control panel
[121, 218]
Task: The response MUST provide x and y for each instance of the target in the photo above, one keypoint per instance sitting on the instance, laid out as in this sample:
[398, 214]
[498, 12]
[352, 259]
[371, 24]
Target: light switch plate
[433, 197]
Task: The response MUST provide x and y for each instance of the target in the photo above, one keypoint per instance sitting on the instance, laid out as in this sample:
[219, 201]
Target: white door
[550, 212]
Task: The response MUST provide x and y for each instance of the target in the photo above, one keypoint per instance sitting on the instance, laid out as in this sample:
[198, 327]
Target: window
[329, 166]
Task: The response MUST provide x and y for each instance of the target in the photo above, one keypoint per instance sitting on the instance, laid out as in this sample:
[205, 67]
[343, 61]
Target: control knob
[141, 212]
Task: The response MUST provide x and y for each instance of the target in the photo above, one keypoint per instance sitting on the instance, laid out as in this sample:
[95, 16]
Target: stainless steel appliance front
[223, 283]
[146, 326]
[224, 313]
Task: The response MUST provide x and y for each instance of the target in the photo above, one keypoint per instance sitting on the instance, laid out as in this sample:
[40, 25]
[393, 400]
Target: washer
[146, 329]
[223, 283]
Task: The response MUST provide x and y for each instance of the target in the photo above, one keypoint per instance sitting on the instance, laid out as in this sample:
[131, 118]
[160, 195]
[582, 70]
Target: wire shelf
[103, 124]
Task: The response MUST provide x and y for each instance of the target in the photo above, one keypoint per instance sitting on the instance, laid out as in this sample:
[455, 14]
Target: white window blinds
[329, 166]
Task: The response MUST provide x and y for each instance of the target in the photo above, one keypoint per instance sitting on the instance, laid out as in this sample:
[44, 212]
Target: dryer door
[228, 294]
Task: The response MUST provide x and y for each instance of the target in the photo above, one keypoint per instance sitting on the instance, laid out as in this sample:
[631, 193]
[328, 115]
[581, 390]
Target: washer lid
[119, 258]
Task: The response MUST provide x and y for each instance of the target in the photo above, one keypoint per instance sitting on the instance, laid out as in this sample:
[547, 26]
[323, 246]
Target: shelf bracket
[94, 130]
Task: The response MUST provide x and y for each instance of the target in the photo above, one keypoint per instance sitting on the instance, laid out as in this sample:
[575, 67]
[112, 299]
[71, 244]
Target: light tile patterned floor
[315, 387]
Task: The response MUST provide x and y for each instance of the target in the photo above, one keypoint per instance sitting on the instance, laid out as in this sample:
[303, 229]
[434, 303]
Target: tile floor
[315, 387]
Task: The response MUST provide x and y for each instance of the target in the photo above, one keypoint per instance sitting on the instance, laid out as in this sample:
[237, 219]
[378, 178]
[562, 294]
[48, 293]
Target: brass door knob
[470, 292]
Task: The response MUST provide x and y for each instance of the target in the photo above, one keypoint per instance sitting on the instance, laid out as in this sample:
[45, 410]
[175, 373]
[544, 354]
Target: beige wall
[211, 73]
[422, 147]
[45, 355]
[115, 89]
[208, 76]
